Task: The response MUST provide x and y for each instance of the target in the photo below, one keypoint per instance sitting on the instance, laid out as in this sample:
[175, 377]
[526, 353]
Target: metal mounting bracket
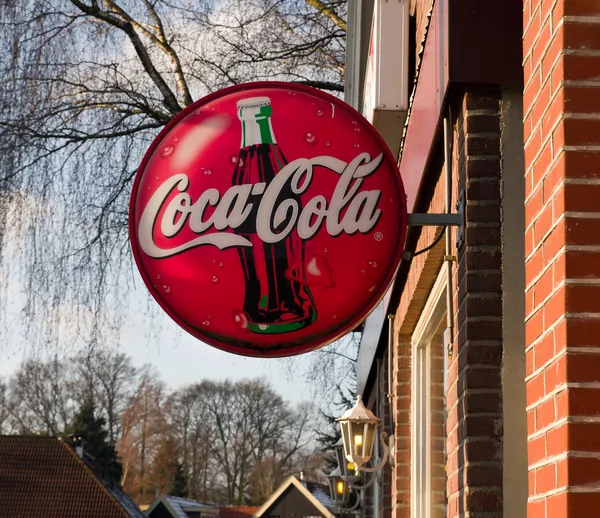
[443, 220]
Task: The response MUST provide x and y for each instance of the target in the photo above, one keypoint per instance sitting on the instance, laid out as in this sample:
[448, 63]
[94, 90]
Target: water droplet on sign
[362, 271]
[356, 129]
[206, 323]
[325, 250]
[207, 172]
[166, 288]
[328, 143]
[214, 279]
[371, 289]
[334, 317]
[220, 264]
[158, 276]
[241, 319]
[372, 264]
[175, 139]
[319, 113]
[167, 151]
[356, 145]
[310, 138]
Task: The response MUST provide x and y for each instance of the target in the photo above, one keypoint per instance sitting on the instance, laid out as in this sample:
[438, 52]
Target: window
[428, 408]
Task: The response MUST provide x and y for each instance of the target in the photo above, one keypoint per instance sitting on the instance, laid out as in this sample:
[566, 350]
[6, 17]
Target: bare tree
[110, 379]
[87, 84]
[249, 439]
[40, 398]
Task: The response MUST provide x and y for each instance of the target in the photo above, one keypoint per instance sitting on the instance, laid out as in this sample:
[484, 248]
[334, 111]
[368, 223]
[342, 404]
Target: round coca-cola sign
[267, 219]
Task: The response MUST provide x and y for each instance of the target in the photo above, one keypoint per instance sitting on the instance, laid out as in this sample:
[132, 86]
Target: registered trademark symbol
[378, 236]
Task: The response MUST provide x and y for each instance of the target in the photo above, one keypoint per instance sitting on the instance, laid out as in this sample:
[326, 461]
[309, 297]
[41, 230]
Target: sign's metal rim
[345, 327]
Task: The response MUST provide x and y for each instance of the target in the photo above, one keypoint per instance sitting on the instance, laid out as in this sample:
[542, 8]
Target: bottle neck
[257, 131]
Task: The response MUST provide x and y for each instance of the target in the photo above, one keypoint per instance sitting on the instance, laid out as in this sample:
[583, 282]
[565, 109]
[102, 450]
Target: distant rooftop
[43, 476]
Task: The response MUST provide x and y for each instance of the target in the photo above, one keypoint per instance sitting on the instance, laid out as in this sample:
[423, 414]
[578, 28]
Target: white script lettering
[233, 208]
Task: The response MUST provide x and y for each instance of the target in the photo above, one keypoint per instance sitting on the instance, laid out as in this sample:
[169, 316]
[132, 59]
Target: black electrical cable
[435, 242]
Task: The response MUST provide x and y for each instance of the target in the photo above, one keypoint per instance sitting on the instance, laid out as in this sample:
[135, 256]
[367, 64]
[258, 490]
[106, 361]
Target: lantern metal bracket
[386, 457]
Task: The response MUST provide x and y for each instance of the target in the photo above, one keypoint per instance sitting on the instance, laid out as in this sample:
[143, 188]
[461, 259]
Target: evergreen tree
[92, 429]
[329, 435]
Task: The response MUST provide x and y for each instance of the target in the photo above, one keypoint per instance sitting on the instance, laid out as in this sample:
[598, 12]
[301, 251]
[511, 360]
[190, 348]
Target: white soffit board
[386, 79]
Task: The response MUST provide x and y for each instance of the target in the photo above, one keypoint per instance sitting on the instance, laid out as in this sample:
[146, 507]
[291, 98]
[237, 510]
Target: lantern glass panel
[370, 429]
[358, 440]
[341, 458]
[345, 428]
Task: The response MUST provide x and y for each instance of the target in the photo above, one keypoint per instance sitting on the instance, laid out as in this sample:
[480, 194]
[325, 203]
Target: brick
[583, 299]
[531, 92]
[582, 99]
[584, 401]
[554, 308]
[552, 53]
[544, 350]
[534, 327]
[544, 414]
[545, 478]
[582, 231]
[557, 505]
[539, 48]
[581, 68]
[542, 224]
[582, 132]
[536, 509]
[543, 287]
[541, 104]
[584, 437]
[584, 332]
[529, 362]
[555, 111]
[536, 449]
[484, 426]
[483, 213]
[582, 198]
[582, 265]
[541, 164]
[581, 8]
[531, 34]
[478, 167]
[483, 190]
[535, 389]
[557, 440]
[483, 259]
[583, 367]
[479, 100]
[582, 36]
[483, 403]
[534, 266]
[555, 374]
[483, 500]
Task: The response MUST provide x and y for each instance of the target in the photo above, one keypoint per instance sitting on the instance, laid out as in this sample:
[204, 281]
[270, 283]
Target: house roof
[178, 506]
[231, 511]
[43, 476]
[314, 493]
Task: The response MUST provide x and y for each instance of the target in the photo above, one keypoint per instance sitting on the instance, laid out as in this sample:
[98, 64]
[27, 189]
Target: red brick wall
[474, 398]
[561, 49]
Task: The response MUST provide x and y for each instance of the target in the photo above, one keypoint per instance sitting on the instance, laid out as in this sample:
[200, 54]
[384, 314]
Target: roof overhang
[467, 42]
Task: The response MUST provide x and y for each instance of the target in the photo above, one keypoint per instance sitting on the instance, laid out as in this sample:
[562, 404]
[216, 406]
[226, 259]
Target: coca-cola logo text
[234, 207]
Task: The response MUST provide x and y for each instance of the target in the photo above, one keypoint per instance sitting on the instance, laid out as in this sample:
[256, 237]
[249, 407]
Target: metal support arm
[435, 220]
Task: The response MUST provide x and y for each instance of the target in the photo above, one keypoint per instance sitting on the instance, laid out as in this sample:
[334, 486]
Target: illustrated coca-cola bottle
[277, 298]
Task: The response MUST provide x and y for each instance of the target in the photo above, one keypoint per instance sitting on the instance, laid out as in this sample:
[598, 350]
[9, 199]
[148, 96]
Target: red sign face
[268, 219]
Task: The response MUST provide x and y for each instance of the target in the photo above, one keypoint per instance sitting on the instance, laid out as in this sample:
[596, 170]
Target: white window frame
[426, 328]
